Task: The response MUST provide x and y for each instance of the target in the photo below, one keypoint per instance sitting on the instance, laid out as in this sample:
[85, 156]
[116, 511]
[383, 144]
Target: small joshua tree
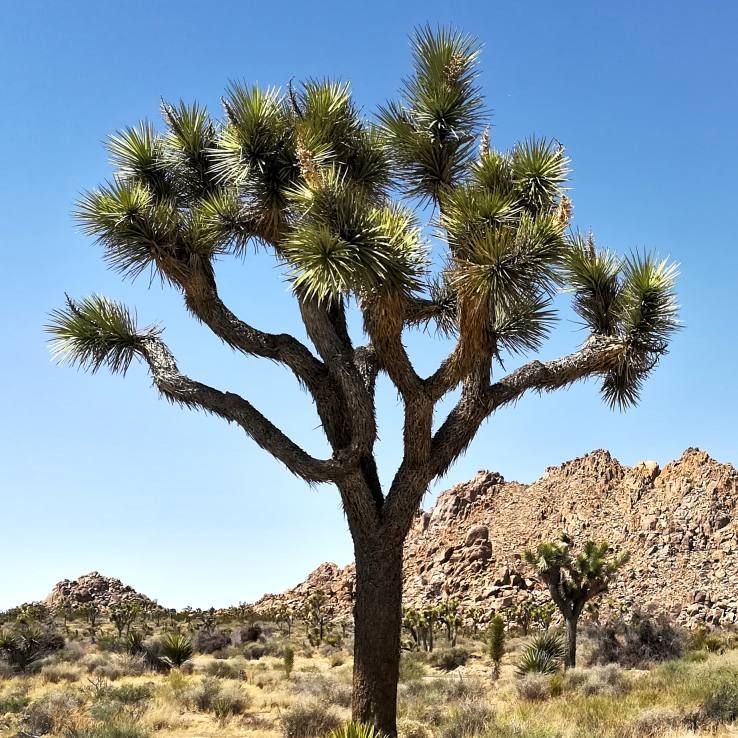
[497, 642]
[574, 580]
[347, 205]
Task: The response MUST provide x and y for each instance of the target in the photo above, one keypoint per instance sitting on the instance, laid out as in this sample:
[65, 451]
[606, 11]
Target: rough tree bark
[378, 622]
[571, 641]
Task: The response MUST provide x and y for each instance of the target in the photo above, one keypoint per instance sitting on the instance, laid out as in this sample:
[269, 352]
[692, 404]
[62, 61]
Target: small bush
[222, 670]
[56, 673]
[467, 720]
[608, 680]
[13, 702]
[53, 713]
[449, 659]
[638, 643]
[209, 642]
[655, 721]
[231, 701]
[254, 651]
[721, 702]
[110, 729]
[252, 633]
[202, 696]
[309, 720]
[412, 667]
[534, 687]
[413, 729]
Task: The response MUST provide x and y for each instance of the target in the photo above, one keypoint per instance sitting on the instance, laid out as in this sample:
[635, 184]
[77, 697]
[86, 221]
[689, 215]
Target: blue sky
[97, 473]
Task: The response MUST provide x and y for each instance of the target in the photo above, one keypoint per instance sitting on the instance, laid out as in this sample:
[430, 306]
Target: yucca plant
[573, 580]
[347, 206]
[353, 729]
[24, 643]
[543, 654]
[176, 649]
[496, 642]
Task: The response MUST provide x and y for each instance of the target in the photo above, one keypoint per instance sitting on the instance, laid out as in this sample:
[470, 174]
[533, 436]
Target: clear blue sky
[98, 473]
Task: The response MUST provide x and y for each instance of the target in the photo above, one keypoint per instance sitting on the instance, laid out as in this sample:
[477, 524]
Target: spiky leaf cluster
[634, 299]
[94, 333]
[432, 130]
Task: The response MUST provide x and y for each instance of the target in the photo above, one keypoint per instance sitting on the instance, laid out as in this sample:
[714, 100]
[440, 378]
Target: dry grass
[83, 693]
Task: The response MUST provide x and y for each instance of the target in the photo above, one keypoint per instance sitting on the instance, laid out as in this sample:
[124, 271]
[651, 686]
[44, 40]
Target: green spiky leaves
[432, 132]
[95, 333]
[539, 171]
[345, 244]
[633, 299]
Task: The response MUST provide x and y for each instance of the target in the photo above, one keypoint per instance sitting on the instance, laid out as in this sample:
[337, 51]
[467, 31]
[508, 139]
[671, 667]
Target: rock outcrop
[680, 525]
[92, 588]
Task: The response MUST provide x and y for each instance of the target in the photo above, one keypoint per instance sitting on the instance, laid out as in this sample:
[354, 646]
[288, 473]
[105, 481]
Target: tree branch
[179, 388]
[478, 400]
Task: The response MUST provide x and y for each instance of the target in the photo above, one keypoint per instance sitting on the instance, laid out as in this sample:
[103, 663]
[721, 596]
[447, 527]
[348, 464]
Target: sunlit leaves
[136, 154]
[432, 132]
[94, 333]
[539, 170]
[344, 244]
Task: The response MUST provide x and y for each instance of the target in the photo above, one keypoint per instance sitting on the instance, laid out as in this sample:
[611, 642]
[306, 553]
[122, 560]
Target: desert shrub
[254, 651]
[542, 655]
[252, 633]
[60, 672]
[639, 642]
[231, 701]
[108, 642]
[609, 680]
[412, 666]
[696, 657]
[324, 689]
[202, 695]
[222, 670]
[721, 702]
[13, 702]
[25, 643]
[53, 713]
[72, 653]
[534, 686]
[110, 729]
[336, 659]
[468, 719]
[93, 661]
[309, 720]
[132, 694]
[407, 728]
[210, 641]
[655, 721]
[449, 659]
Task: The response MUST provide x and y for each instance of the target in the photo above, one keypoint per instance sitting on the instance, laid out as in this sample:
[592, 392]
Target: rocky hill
[679, 523]
[93, 587]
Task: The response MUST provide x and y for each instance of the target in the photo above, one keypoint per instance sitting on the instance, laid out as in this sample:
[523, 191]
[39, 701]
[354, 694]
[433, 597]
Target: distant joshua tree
[575, 579]
[337, 199]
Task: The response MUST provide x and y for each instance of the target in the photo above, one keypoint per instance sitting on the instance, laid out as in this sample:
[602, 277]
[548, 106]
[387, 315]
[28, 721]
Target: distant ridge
[679, 523]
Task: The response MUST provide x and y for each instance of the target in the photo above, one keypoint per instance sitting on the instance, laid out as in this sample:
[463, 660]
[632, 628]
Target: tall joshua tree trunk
[378, 621]
[571, 641]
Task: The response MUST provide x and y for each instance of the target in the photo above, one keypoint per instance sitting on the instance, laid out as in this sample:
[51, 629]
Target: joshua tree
[574, 580]
[342, 203]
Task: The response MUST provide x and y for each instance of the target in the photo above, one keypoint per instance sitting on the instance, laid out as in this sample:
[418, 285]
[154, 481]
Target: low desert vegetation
[499, 678]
